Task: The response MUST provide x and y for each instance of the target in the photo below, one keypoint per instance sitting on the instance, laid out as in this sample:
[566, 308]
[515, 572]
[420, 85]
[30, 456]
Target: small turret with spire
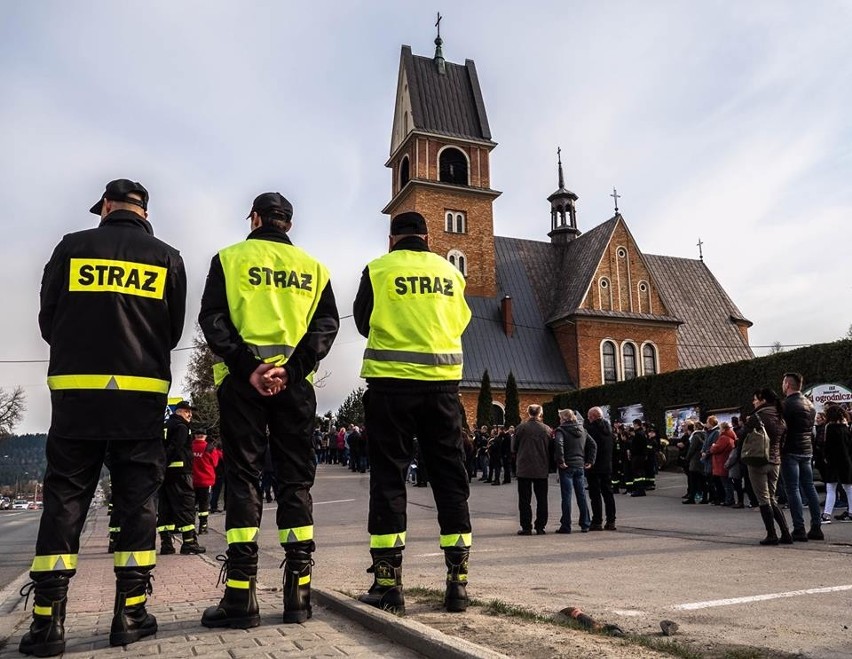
[439, 54]
[563, 214]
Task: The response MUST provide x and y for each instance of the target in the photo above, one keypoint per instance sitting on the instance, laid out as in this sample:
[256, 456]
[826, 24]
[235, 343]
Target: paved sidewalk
[183, 587]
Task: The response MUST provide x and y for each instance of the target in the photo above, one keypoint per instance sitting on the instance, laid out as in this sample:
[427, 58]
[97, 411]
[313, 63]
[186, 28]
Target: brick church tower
[439, 157]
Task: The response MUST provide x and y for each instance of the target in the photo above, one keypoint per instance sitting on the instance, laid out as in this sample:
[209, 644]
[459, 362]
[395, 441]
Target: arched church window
[628, 359]
[649, 359]
[452, 166]
[404, 175]
[605, 294]
[455, 221]
[608, 362]
[644, 296]
[458, 259]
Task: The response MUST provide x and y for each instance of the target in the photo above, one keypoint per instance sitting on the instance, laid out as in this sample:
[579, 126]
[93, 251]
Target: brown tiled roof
[531, 353]
[709, 334]
[578, 262]
[449, 104]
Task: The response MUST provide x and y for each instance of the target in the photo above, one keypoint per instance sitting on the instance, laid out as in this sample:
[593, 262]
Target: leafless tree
[12, 407]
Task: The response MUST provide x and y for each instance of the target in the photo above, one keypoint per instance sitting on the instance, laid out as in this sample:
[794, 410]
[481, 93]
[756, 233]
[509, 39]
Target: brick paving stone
[183, 587]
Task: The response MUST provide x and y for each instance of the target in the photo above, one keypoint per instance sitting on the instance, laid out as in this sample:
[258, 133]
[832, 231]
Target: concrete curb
[408, 633]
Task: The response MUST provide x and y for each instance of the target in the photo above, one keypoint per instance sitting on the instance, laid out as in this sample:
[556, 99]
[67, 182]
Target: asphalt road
[18, 531]
[698, 565]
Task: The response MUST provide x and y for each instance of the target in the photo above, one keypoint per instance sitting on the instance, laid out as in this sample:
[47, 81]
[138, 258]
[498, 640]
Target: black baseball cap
[119, 190]
[407, 224]
[200, 431]
[184, 405]
[272, 202]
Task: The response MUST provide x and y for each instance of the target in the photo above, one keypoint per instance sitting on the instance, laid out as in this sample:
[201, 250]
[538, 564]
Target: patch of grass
[498, 607]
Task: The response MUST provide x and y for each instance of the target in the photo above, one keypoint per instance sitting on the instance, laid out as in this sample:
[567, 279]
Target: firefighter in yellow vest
[269, 316]
[112, 308]
[411, 307]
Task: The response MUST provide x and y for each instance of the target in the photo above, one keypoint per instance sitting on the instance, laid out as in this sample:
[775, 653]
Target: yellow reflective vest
[419, 314]
[273, 289]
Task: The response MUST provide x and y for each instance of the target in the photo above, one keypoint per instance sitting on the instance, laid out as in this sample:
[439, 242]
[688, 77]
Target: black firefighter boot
[456, 559]
[297, 582]
[190, 544]
[130, 620]
[238, 608]
[46, 637]
[386, 591]
[769, 522]
[786, 538]
[166, 544]
[202, 524]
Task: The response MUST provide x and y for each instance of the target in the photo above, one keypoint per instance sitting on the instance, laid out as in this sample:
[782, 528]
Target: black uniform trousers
[176, 510]
[73, 469]
[393, 420]
[285, 423]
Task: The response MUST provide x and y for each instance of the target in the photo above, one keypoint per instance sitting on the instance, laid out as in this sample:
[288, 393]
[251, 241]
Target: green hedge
[713, 387]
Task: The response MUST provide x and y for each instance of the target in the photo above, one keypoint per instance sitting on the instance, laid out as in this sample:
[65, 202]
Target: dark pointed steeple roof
[562, 192]
[445, 104]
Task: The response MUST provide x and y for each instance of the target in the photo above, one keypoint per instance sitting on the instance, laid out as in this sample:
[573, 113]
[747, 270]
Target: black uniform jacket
[225, 341]
[178, 441]
[113, 301]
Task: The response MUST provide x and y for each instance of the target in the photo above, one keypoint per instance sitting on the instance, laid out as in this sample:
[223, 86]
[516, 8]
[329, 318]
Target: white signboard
[829, 393]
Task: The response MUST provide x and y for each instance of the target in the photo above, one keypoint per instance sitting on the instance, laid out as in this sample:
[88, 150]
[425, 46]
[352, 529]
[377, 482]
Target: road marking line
[758, 598]
[319, 503]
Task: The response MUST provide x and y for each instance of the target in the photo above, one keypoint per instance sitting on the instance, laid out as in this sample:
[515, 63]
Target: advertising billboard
[676, 418]
[627, 413]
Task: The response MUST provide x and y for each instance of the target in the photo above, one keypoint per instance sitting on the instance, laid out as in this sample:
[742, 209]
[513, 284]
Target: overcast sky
[725, 121]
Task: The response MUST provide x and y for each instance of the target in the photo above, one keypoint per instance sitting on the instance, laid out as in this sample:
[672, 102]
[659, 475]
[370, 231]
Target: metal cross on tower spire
[700, 244]
[615, 196]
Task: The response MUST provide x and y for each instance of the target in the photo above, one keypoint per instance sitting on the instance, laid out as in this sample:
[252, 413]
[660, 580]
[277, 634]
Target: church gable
[623, 282]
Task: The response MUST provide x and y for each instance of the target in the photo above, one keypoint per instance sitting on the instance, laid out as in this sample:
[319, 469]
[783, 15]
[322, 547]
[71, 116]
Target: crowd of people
[722, 469]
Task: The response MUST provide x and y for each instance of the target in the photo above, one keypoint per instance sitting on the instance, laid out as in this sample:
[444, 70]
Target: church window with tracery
[628, 357]
[458, 259]
[609, 363]
[649, 359]
[455, 222]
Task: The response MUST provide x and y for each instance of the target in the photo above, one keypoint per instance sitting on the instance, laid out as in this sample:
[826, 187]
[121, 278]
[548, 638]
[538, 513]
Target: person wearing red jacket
[720, 450]
[206, 456]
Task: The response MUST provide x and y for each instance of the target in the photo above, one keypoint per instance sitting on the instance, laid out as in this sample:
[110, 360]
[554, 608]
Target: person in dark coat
[600, 475]
[695, 468]
[638, 453]
[838, 461]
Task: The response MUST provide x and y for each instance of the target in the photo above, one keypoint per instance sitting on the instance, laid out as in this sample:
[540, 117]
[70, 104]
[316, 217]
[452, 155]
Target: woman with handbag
[763, 470]
[837, 469]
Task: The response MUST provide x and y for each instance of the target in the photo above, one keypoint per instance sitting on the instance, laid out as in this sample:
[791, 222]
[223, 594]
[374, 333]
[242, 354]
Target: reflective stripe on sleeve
[165, 528]
[177, 463]
[387, 541]
[109, 382]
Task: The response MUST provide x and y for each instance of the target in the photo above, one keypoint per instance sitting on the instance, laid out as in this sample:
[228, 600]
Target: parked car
[20, 504]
